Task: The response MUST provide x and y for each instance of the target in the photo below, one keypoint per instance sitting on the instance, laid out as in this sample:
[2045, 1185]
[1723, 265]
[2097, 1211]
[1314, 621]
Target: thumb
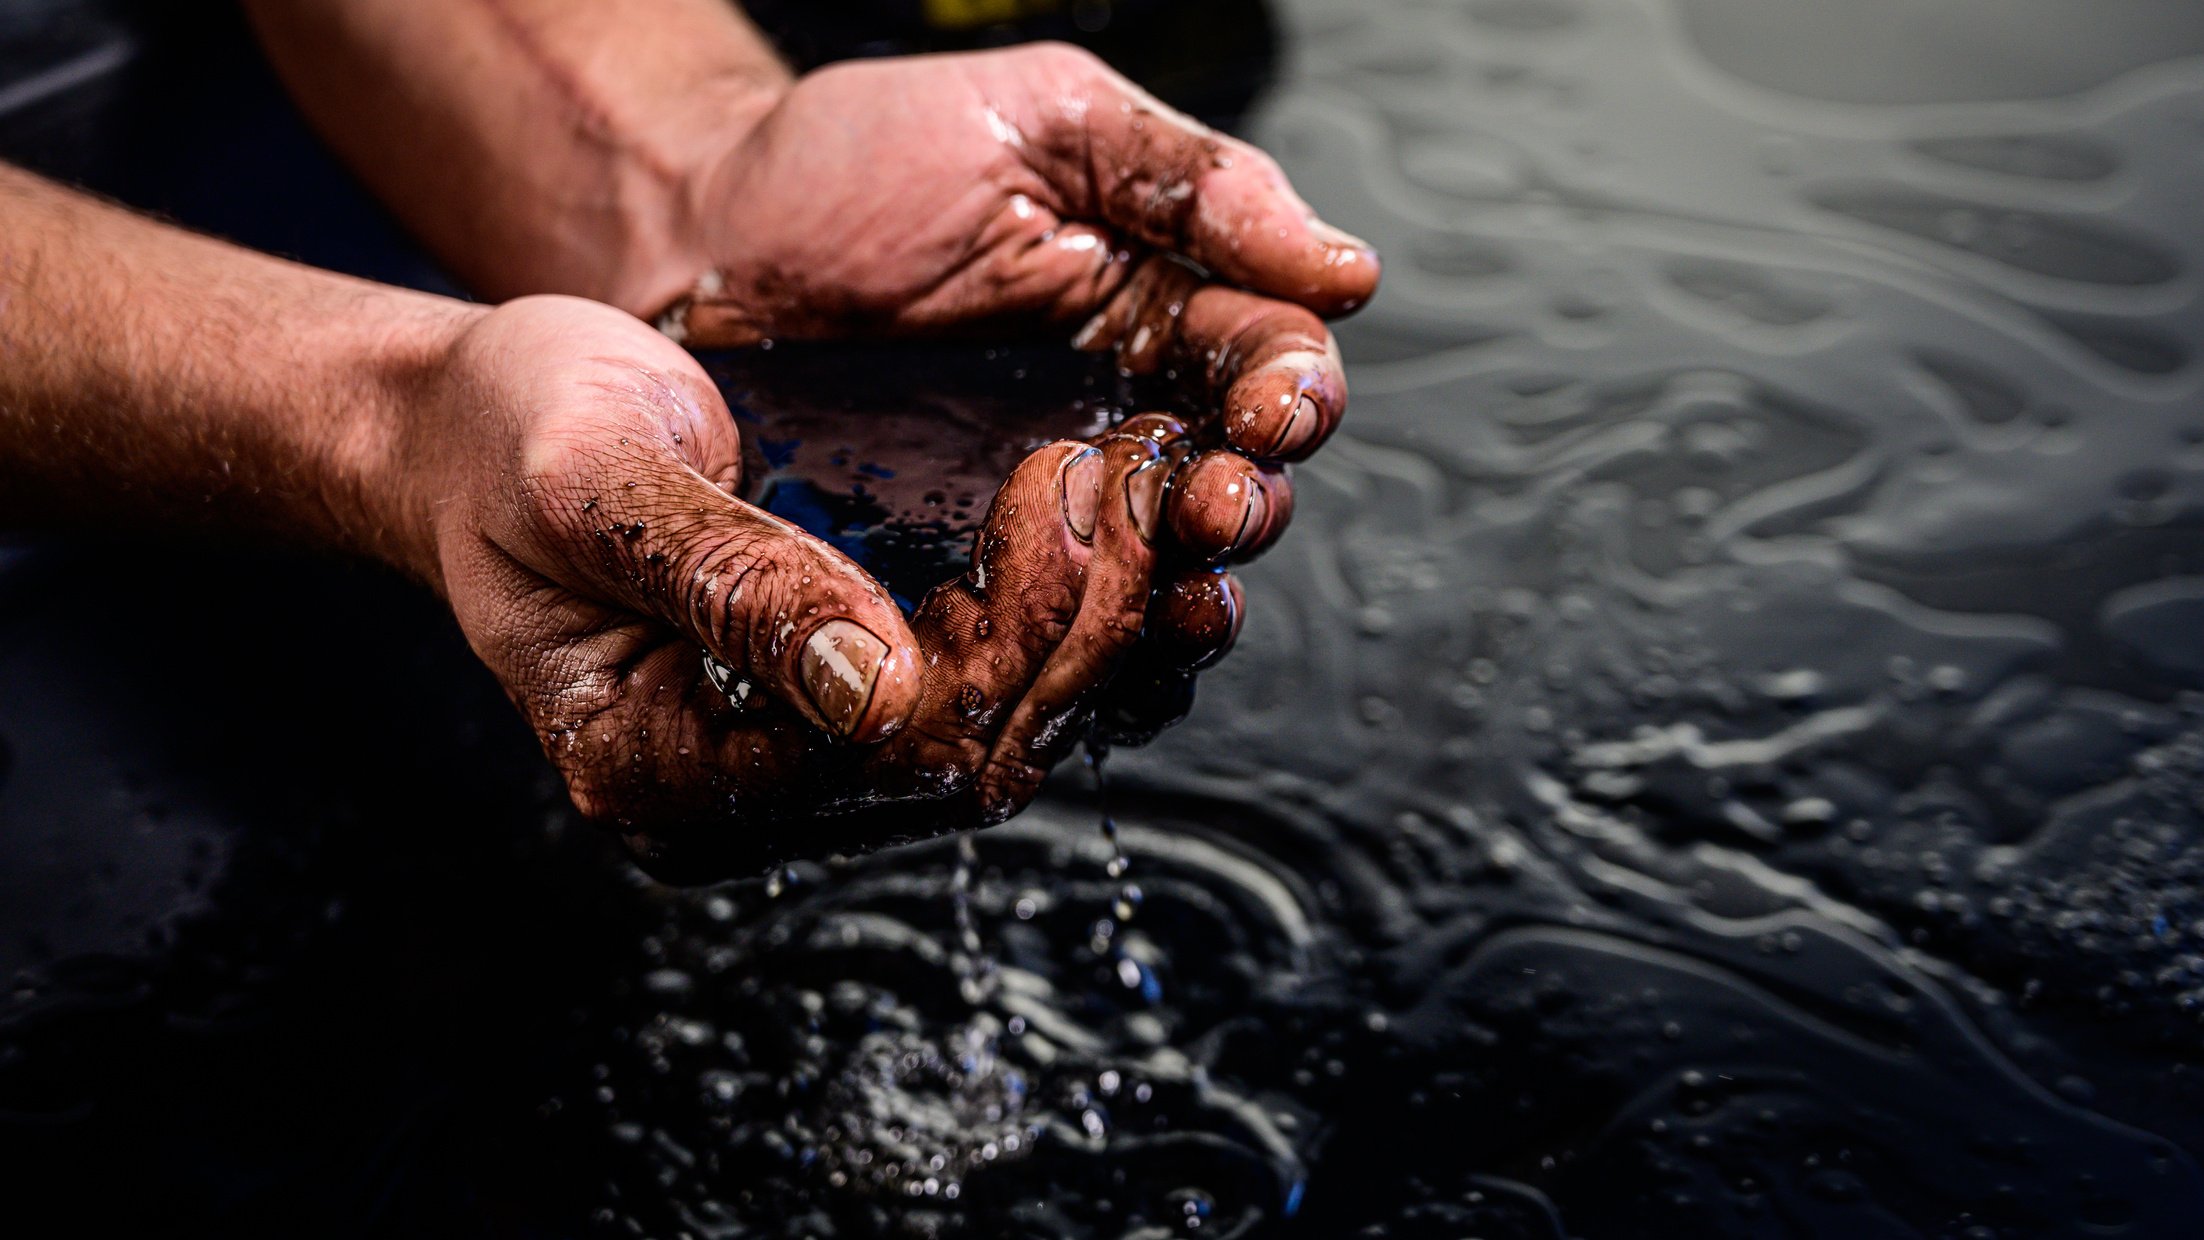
[780, 609]
[1169, 181]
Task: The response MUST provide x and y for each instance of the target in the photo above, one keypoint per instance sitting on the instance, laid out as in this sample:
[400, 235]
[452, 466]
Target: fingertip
[1255, 232]
[1284, 409]
[1197, 618]
[1282, 382]
[705, 321]
[1144, 488]
[1351, 270]
[1048, 477]
[896, 690]
[1018, 542]
[1226, 507]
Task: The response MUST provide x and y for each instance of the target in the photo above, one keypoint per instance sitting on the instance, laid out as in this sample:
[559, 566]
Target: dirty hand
[655, 155]
[572, 475]
[1001, 191]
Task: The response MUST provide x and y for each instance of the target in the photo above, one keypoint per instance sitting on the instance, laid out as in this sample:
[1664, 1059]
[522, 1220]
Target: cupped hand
[573, 477]
[1000, 191]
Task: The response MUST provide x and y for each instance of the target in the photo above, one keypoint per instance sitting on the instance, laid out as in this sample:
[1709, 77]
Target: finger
[1112, 612]
[788, 614]
[1115, 151]
[986, 635]
[1220, 506]
[1272, 367]
[1193, 618]
[1226, 508]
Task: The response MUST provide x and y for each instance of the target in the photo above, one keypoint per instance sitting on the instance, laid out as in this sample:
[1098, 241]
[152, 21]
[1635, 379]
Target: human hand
[571, 476]
[656, 156]
[562, 474]
[1000, 191]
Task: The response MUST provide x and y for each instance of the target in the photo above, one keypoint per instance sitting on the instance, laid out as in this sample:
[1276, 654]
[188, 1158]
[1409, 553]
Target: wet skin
[1022, 191]
[1031, 190]
[1035, 190]
[589, 578]
[660, 158]
[566, 476]
[1026, 191]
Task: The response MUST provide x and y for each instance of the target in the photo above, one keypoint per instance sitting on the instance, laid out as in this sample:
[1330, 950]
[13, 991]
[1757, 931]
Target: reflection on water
[1720, 753]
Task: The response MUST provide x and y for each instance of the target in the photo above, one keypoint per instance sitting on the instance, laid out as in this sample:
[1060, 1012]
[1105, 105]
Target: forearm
[535, 145]
[151, 378]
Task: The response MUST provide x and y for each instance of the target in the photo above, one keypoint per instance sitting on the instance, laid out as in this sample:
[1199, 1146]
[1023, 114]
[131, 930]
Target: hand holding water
[659, 157]
[1035, 190]
[567, 477]
[574, 475]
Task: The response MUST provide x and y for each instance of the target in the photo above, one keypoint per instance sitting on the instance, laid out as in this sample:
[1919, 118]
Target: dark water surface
[1720, 753]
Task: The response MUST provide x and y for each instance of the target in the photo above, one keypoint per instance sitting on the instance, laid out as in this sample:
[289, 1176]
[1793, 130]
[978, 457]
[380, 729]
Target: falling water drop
[1105, 940]
[977, 972]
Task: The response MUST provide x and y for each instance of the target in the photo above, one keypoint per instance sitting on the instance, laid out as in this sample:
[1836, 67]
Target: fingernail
[1300, 427]
[1083, 493]
[1339, 237]
[840, 663]
[1252, 517]
[1144, 498]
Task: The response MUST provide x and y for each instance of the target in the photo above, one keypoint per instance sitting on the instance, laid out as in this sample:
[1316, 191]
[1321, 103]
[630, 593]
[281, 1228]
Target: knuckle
[946, 762]
[966, 767]
[1123, 624]
[1007, 785]
[1054, 732]
[734, 592]
[1254, 158]
[1045, 616]
[566, 451]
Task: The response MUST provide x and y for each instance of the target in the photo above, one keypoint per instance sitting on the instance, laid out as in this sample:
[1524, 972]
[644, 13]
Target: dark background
[1719, 753]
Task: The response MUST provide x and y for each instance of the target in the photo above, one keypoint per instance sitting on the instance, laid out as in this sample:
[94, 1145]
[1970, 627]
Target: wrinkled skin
[1035, 189]
[587, 536]
[591, 545]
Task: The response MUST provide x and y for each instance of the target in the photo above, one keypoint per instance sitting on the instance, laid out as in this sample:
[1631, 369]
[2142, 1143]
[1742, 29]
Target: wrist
[689, 145]
[384, 457]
